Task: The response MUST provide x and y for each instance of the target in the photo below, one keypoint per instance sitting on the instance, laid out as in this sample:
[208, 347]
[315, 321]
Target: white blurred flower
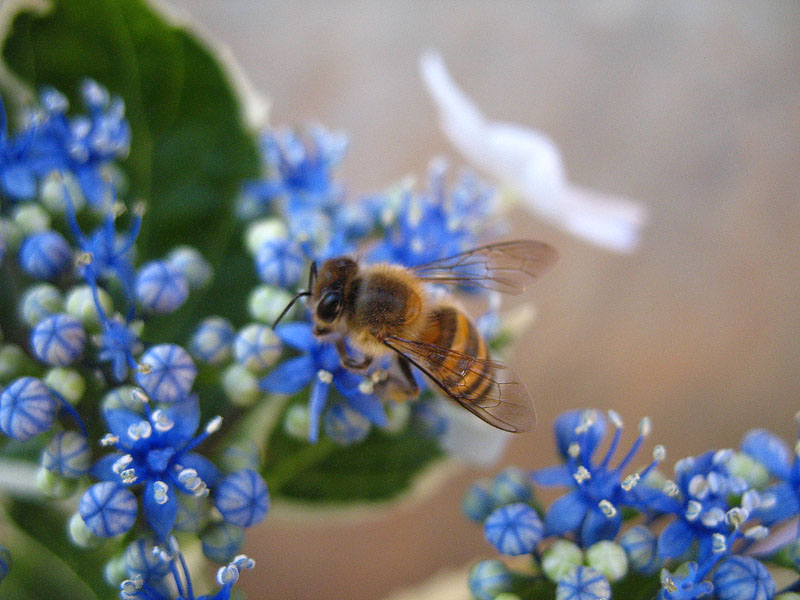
[530, 164]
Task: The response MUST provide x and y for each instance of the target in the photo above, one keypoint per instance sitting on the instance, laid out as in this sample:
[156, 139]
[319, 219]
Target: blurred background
[692, 108]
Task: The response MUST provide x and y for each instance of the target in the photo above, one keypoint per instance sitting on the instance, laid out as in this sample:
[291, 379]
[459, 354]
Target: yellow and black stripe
[463, 366]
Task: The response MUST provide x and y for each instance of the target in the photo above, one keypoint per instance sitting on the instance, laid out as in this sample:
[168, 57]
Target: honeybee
[384, 308]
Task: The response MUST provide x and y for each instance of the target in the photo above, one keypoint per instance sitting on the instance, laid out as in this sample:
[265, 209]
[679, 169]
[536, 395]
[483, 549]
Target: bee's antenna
[288, 306]
[312, 275]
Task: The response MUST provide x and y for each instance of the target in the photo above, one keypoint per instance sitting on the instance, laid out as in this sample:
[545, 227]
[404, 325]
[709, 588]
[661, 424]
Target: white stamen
[366, 387]
[630, 482]
[582, 474]
[713, 517]
[325, 376]
[142, 429]
[160, 490]
[128, 476]
[751, 500]
[574, 450]
[767, 501]
[121, 463]
[693, 508]
[698, 486]
[214, 425]
[608, 509]
[718, 543]
[670, 488]
[659, 453]
[759, 532]
[645, 426]
[588, 418]
[226, 575]
[161, 421]
[715, 483]
[722, 457]
[615, 419]
[138, 395]
[109, 439]
[735, 517]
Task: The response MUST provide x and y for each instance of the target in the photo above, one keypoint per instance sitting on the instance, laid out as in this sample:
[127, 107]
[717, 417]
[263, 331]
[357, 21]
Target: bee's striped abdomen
[451, 329]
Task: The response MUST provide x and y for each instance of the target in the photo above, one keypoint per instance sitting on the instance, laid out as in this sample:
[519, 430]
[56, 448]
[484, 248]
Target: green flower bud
[261, 231]
[560, 558]
[397, 416]
[296, 422]
[11, 233]
[12, 361]
[114, 571]
[67, 382]
[40, 301]
[80, 535]
[267, 302]
[749, 469]
[127, 397]
[54, 485]
[80, 304]
[240, 385]
[31, 218]
[609, 559]
[52, 194]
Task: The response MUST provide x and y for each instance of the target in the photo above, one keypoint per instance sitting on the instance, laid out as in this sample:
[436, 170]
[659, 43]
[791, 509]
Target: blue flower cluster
[297, 214]
[685, 538]
[82, 303]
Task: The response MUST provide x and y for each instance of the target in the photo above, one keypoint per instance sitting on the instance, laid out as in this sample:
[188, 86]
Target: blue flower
[161, 287]
[108, 509]
[704, 484]
[256, 347]
[583, 583]
[168, 373]
[242, 498]
[781, 500]
[17, 178]
[434, 225]
[743, 578]
[301, 167]
[142, 560]
[514, 529]
[489, 578]
[58, 340]
[222, 541]
[67, 453]
[27, 408]
[478, 501]
[320, 367]
[212, 340]
[344, 425]
[592, 509]
[280, 262]
[118, 344]
[641, 546]
[45, 255]
[84, 145]
[155, 450]
[5, 555]
[687, 585]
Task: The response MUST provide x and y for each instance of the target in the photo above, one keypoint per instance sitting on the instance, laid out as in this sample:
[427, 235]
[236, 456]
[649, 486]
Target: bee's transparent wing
[485, 387]
[504, 266]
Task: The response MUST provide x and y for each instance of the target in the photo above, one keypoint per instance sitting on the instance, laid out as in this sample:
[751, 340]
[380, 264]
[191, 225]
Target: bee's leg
[348, 362]
[405, 369]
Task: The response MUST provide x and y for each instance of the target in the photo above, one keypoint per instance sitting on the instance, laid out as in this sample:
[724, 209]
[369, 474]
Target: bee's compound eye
[328, 307]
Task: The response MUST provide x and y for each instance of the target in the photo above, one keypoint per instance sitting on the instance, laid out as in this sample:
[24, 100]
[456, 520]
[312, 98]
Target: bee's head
[328, 293]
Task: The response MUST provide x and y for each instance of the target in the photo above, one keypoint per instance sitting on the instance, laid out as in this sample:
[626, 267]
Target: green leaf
[380, 468]
[71, 573]
[190, 151]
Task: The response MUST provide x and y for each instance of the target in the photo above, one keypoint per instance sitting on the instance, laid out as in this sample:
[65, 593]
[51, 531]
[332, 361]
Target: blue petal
[102, 469]
[297, 335]
[204, 467]
[648, 499]
[675, 539]
[564, 428]
[558, 475]
[160, 517]
[118, 421]
[290, 376]
[185, 416]
[316, 402]
[786, 504]
[597, 526]
[770, 450]
[368, 406]
[565, 514]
